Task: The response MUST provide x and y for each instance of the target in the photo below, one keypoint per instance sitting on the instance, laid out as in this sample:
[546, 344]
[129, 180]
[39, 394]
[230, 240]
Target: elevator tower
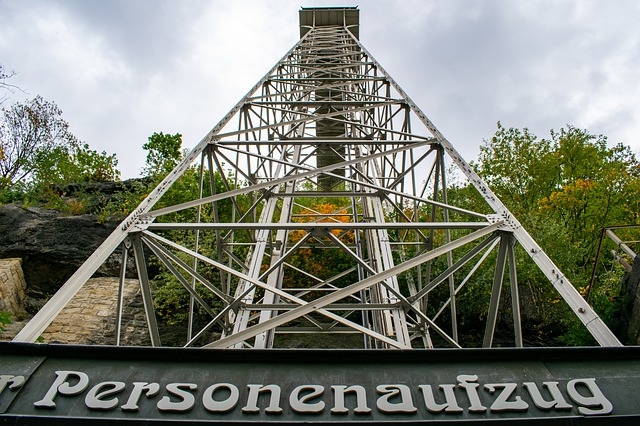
[323, 218]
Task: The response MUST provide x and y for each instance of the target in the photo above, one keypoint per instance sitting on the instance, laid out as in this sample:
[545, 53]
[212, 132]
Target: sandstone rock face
[12, 287]
[89, 318]
[51, 245]
[96, 194]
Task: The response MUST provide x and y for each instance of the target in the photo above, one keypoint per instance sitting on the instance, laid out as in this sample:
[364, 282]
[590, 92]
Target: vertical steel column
[496, 290]
[120, 300]
[515, 293]
[147, 300]
[265, 340]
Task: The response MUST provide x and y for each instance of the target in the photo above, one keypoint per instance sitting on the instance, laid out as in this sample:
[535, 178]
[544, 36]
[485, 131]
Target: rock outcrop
[95, 195]
[52, 245]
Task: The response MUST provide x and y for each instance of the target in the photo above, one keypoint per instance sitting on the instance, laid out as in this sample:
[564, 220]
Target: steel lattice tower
[326, 124]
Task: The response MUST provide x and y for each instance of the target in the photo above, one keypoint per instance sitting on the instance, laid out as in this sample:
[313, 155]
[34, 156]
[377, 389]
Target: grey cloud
[180, 65]
[146, 34]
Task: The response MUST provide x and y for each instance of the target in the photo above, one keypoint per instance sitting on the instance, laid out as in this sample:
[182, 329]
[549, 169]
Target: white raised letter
[181, 390]
[465, 381]
[62, 386]
[597, 398]
[94, 397]
[451, 404]
[361, 398]
[389, 391]
[150, 390]
[252, 399]
[300, 404]
[220, 406]
[557, 402]
[502, 403]
[16, 382]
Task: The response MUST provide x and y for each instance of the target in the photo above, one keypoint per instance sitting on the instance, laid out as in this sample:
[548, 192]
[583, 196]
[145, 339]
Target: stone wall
[90, 316]
[12, 287]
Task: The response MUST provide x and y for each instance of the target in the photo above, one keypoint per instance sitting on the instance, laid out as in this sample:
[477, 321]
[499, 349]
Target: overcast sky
[123, 69]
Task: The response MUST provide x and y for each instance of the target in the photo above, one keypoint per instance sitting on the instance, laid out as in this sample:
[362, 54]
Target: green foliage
[607, 302]
[28, 130]
[38, 152]
[514, 163]
[573, 178]
[124, 202]
[75, 163]
[171, 299]
[564, 190]
[163, 153]
[5, 319]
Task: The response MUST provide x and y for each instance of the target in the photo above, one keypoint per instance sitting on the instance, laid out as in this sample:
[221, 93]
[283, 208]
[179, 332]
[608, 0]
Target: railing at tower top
[348, 17]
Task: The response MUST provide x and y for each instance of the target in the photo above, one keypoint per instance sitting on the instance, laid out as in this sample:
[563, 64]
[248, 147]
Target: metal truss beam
[324, 209]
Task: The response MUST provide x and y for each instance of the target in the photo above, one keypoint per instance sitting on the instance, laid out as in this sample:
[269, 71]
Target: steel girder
[325, 161]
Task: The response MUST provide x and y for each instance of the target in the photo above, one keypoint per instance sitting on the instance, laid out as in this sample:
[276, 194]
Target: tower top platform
[348, 16]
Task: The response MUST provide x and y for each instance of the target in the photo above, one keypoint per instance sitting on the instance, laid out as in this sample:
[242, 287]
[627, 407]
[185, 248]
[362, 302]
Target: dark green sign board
[61, 384]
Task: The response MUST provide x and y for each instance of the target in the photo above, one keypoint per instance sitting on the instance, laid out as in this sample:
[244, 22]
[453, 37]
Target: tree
[573, 178]
[515, 163]
[4, 76]
[37, 152]
[28, 130]
[564, 189]
[74, 163]
[163, 153]
[592, 184]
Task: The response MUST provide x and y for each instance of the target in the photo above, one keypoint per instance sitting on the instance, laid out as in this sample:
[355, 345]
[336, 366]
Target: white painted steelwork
[326, 126]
